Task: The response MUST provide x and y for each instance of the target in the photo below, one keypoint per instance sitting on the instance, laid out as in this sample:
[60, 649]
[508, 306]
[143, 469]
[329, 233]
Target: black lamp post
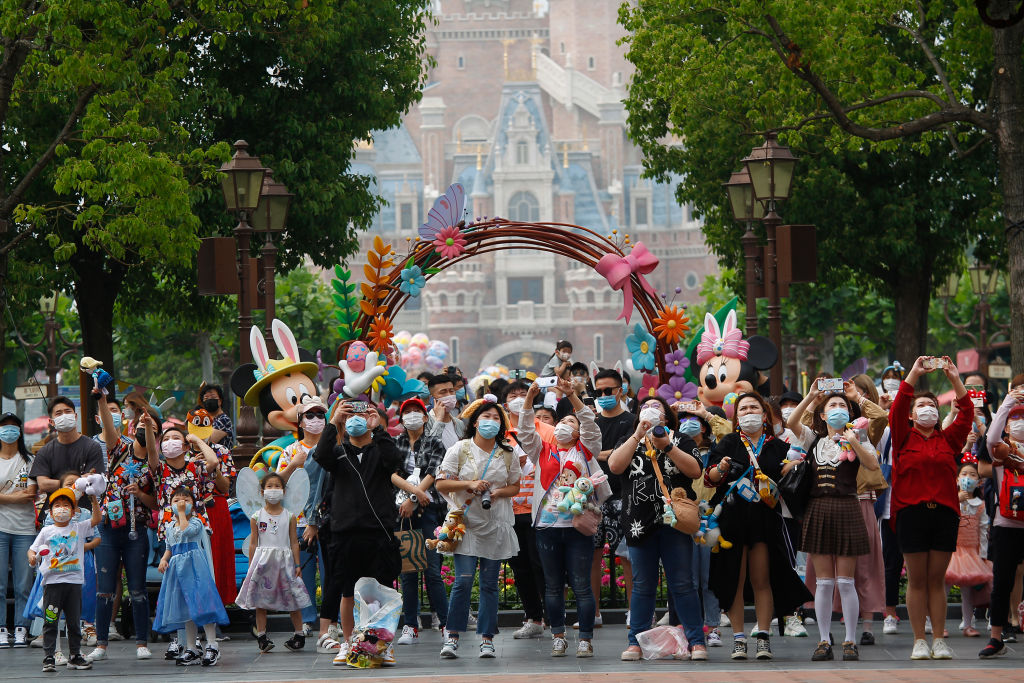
[984, 282]
[270, 217]
[746, 209]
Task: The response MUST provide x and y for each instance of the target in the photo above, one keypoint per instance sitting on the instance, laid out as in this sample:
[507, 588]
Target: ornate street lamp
[746, 209]
[271, 217]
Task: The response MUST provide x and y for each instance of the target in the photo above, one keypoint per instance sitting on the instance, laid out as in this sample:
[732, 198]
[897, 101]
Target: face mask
[652, 415]
[515, 405]
[1016, 430]
[968, 484]
[625, 387]
[461, 394]
[171, 448]
[116, 417]
[448, 401]
[786, 412]
[355, 425]
[890, 385]
[9, 433]
[751, 422]
[607, 402]
[779, 429]
[313, 425]
[140, 436]
[927, 416]
[65, 422]
[188, 508]
[564, 355]
[487, 428]
[413, 420]
[837, 418]
[273, 495]
[563, 432]
[690, 427]
[61, 514]
[211, 405]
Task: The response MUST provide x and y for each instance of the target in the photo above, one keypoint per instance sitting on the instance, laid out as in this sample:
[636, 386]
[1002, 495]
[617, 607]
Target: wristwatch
[414, 498]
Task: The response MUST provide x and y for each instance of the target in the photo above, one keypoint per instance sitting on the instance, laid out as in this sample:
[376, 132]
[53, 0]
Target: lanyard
[752, 451]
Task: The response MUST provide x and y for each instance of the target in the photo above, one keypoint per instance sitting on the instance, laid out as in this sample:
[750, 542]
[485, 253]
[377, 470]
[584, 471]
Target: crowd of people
[853, 481]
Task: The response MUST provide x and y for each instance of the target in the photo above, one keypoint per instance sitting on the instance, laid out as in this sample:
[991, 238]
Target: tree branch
[918, 36]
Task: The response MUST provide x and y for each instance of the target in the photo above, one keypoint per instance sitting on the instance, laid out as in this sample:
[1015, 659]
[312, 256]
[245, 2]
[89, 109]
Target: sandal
[971, 632]
[326, 645]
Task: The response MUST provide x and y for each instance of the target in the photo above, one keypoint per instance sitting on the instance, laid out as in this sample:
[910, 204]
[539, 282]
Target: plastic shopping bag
[663, 642]
[377, 611]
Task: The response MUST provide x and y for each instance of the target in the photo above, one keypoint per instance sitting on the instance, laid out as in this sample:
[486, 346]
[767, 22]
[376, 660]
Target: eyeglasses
[610, 391]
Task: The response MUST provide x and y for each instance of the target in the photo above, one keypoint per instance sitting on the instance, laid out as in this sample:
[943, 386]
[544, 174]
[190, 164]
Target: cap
[310, 403]
[793, 396]
[64, 493]
[10, 416]
[412, 403]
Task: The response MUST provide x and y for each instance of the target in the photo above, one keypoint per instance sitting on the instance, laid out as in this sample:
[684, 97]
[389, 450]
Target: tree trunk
[911, 297]
[1009, 102]
[97, 284]
[828, 350]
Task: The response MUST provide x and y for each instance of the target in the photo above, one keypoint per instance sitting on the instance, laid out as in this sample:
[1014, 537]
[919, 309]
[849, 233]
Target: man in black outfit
[360, 456]
[71, 451]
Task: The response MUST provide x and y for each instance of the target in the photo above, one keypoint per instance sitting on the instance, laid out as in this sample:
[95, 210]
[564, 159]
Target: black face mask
[211, 405]
[140, 436]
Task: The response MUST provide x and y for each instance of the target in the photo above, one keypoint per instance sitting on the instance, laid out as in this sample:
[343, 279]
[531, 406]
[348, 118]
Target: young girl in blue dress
[188, 594]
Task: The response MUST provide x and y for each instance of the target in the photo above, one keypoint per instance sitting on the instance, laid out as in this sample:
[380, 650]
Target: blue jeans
[117, 549]
[14, 556]
[426, 522]
[566, 555]
[675, 551]
[462, 591]
[310, 615]
[701, 569]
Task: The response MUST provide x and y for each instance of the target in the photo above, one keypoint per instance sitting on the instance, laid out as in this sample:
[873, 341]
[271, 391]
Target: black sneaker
[173, 650]
[764, 648]
[49, 664]
[822, 653]
[867, 638]
[188, 658]
[296, 642]
[739, 649]
[850, 652]
[79, 662]
[265, 643]
[1010, 634]
[995, 648]
[211, 656]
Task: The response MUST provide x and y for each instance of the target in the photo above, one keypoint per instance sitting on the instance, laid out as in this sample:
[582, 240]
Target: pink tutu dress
[271, 583]
[966, 568]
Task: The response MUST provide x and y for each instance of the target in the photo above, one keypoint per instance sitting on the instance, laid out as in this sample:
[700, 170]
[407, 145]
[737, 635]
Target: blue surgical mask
[606, 402]
[487, 428]
[188, 508]
[355, 425]
[837, 418]
[625, 388]
[461, 394]
[9, 433]
[690, 427]
[116, 417]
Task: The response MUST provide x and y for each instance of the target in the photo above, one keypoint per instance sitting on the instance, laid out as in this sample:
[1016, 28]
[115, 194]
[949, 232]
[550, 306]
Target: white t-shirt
[64, 549]
[18, 519]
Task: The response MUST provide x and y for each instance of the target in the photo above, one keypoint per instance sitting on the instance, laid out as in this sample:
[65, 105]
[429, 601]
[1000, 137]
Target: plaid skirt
[834, 525]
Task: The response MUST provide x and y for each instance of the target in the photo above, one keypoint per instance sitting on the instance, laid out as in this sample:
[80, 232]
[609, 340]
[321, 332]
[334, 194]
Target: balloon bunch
[418, 351]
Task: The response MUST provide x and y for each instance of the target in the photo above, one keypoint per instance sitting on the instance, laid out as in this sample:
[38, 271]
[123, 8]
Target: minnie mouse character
[728, 364]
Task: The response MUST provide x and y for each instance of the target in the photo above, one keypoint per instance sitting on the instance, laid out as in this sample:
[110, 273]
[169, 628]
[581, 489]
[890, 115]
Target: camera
[485, 500]
[659, 431]
[307, 546]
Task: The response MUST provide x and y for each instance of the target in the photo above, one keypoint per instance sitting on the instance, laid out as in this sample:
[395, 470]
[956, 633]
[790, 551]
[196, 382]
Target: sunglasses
[606, 392]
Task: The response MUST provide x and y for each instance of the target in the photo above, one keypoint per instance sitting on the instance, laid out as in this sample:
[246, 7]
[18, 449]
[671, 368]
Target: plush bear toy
[449, 534]
[91, 485]
[577, 497]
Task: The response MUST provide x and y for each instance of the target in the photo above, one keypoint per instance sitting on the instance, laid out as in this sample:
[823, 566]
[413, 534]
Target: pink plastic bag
[663, 642]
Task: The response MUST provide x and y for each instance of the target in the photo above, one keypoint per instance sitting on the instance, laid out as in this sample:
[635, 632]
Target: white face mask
[448, 401]
[65, 422]
[652, 415]
[564, 355]
[1016, 429]
[751, 422]
[273, 495]
[890, 385]
[779, 429]
[927, 416]
[413, 420]
[61, 514]
[563, 432]
[314, 425]
[515, 405]
[786, 412]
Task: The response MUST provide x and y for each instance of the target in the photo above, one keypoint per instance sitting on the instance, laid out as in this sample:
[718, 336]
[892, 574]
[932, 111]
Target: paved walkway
[521, 661]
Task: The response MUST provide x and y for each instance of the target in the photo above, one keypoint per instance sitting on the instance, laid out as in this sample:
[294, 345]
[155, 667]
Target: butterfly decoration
[446, 213]
[397, 386]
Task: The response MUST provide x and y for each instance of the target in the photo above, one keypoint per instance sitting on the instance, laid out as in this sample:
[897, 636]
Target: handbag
[871, 480]
[795, 488]
[412, 547]
[686, 511]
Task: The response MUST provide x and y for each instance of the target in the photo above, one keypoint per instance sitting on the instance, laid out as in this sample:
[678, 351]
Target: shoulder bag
[686, 511]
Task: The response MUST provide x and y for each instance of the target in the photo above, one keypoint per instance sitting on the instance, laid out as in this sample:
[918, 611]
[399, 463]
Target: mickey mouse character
[276, 387]
[726, 363]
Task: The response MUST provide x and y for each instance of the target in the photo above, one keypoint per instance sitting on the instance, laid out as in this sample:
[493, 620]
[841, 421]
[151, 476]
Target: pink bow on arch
[617, 270]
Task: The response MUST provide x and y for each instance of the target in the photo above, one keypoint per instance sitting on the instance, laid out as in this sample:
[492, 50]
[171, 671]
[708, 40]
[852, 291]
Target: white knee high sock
[967, 605]
[823, 606]
[851, 606]
[211, 636]
[190, 635]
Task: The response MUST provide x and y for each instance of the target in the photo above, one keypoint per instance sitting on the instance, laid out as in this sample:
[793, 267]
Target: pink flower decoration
[450, 242]
[648, 388]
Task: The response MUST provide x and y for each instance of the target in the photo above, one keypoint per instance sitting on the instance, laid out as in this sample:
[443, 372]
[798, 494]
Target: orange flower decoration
[670, 325]
[380, 334]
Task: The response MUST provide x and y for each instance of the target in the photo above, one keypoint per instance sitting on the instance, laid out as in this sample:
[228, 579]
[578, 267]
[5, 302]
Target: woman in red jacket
[925, 507]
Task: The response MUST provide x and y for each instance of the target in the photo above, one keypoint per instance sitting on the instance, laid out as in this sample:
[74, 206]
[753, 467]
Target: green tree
[890, 217]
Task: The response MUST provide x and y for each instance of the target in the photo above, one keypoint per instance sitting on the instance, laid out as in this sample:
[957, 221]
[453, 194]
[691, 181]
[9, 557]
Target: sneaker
[794, 627]
[20, 637]
[529, 629]
[714, 638]
[49, 664]
[296, 642]
[928, 625]
[89, 635]
[559, 646]
[598, 622]
[388, 659]
[891, 625]
[435, 622]
[212, 655]
[142, 652]
[627, 619]
[5, 638]
[173, 650]
[487, 649]
[265, 643]
[631, 654]
[995, 648]
[823, 653]
[584, 649]
[60, 658]
[940, 650]
[38, 640]
[764, 647]
[450, 649]
[189, 657]
[739, 648]
[472, 621]
[306, 630]
[79, 662]
[97, 655]
[114, 634]
[699, 653]
[724, 621]
[341, 659]
[867, 638]
[410, 635]
[921, 650]
[1010, 634]
[664, 620]
[850, 652]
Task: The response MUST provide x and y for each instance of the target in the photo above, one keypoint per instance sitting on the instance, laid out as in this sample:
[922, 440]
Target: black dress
[745, 524]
